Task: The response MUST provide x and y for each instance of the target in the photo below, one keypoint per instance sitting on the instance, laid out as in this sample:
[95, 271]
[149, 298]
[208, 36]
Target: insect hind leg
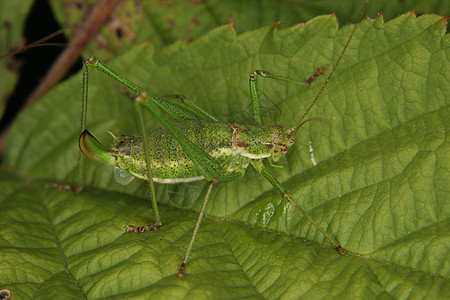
[197, 109]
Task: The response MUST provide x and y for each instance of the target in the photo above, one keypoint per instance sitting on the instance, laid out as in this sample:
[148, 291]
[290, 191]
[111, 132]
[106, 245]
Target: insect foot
[141, 229]
[65, 187]
[319, 72]
[182, 268]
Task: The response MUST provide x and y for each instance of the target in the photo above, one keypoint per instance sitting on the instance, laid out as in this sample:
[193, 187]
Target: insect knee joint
[90, 61]
[141, 97]
[262, 73]
[214, 182]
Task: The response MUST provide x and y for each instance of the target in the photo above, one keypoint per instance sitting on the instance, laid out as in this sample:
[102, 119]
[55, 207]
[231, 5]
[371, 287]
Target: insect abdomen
[170, 163]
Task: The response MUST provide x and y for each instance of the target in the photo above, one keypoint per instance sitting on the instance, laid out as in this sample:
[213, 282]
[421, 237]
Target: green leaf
[164, 22]
[371, 168]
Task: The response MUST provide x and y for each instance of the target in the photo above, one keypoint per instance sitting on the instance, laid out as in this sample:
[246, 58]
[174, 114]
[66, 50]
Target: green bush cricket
[196, 146]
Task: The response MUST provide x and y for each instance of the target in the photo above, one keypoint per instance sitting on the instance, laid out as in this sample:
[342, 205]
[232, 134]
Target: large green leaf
[372, 168]
[164, 22]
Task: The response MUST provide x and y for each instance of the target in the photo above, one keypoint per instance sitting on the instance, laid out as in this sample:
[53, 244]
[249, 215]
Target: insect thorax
[257, 142]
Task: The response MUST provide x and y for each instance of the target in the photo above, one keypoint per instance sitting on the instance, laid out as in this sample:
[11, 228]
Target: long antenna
[300, 122]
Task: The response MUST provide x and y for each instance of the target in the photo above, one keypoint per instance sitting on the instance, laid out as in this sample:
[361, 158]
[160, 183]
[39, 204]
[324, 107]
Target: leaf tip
[231, 25]
[276, 25]
[300, 24]
[379, 16]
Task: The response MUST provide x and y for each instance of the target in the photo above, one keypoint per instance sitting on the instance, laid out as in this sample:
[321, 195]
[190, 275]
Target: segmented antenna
[300, 122]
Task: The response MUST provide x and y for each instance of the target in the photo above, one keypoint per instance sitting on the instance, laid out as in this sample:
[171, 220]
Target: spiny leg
[84, 104]
[197, 226]
[145, 142]
[258, 165]
[176, 111]
[148, 162]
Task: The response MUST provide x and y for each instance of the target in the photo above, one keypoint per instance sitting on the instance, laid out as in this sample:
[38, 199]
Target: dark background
[35, 62]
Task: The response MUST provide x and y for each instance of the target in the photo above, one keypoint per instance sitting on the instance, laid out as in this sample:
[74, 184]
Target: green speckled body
[232, 145]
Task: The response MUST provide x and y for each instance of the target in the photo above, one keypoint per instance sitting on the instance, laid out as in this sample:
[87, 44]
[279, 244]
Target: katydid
[195, 146]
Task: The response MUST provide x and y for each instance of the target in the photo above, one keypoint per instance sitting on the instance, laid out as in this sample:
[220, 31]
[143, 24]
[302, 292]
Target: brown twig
[97, 16]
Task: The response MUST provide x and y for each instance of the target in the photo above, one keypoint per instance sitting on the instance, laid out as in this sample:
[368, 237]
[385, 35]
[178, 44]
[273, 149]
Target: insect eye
[284, 148]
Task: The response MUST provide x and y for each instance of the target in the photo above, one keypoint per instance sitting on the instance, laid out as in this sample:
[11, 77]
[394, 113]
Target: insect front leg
[258, 165]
